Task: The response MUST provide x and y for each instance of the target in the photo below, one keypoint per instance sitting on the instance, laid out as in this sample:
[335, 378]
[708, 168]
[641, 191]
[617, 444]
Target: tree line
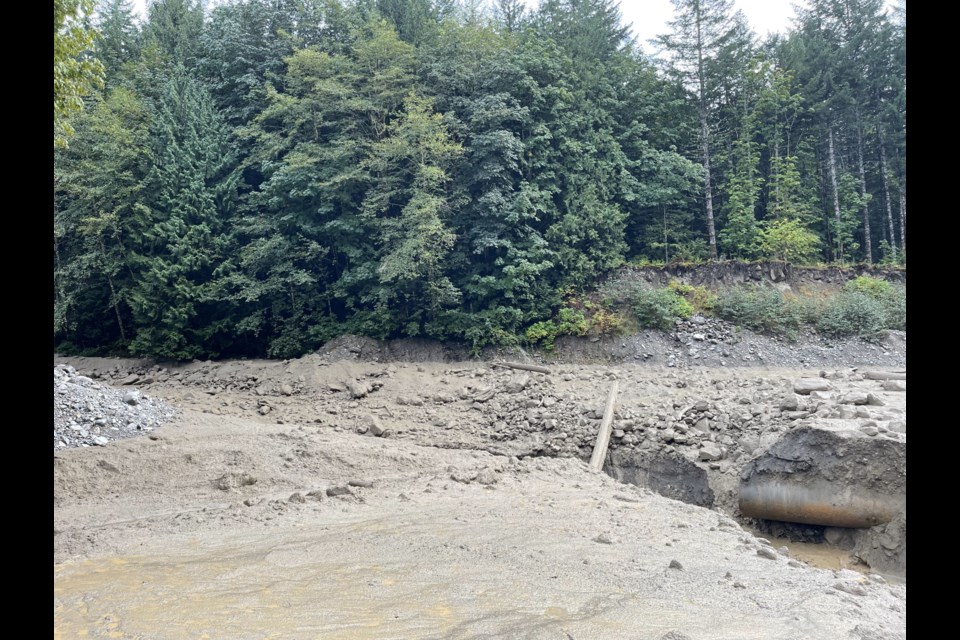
[258, 177]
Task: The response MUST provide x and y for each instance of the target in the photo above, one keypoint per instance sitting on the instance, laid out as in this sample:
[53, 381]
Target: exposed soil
[350, 495]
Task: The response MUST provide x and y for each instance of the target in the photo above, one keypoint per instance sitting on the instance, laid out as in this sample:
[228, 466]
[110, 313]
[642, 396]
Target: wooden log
[603, 438]
[885, 375]
[525, 367]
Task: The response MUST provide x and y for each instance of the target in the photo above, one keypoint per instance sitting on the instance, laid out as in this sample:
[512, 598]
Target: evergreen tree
[706, 37]
[190, 191]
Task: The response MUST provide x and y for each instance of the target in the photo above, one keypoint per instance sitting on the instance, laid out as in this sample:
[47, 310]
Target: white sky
[649, 17]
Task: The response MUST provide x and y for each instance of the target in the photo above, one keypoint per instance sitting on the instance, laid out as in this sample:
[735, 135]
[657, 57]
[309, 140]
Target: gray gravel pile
[87, 413]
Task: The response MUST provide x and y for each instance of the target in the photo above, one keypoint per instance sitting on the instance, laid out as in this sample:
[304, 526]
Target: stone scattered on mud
[234, 480]
[342, 490]
[804, 386]
[767, 552]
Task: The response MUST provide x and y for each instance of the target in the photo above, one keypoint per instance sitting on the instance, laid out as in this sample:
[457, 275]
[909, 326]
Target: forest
[257, 177]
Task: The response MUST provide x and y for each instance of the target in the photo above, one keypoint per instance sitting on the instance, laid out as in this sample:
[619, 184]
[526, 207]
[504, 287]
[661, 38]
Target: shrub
[607, 323]
[873, 287]
[852, 313]
[761, 309]
[701, 298]
[895, 307]
[659, 308]
[568, 322]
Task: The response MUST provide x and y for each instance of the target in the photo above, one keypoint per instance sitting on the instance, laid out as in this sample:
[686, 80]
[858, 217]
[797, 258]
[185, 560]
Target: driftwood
[885, 375]
[525, 367]
[603, 438]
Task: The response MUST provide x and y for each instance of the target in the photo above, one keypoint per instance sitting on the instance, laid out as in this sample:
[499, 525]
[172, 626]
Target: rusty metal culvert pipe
[819, 503]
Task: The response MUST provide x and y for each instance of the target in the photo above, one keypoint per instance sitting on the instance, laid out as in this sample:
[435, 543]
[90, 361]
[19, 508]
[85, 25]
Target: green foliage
[700, 298]
[568, 322]
[789, 241]
[76, 74]
[852, 313]
[606, 323]
[761, 309]
[874, 287]
[892, 299]
[259, 176]
[659, 308]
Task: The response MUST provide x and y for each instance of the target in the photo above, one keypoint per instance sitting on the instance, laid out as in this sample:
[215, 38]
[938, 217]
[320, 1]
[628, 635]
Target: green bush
[852, 313]
[701, 298]
[568, 322]
[659, 308]
[892, 299]
[895, 306]
[761, 309]
[873, 287]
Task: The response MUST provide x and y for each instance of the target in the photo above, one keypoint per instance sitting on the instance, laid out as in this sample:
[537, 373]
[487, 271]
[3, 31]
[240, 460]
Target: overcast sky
[649, 17]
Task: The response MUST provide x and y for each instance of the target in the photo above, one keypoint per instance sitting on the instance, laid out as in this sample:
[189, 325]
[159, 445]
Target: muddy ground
[342, 495]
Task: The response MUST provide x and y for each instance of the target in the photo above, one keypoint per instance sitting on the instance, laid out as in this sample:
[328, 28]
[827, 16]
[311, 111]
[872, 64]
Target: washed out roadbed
[338, 497]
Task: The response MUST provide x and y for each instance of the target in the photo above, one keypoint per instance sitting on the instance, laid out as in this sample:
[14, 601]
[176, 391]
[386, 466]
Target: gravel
[87, 413]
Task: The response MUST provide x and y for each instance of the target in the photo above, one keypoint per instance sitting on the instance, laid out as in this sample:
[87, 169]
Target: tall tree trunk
[903, 206]
[838, 239]
[705, 135]
[708, 187]
[113, 292]
[886, 194]
[867, 246]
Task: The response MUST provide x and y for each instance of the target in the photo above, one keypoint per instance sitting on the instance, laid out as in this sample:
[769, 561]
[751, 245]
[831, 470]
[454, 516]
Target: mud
[471, 514]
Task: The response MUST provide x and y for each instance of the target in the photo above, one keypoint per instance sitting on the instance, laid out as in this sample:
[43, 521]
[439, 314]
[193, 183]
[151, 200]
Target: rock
[603, 539]
[132, 397]
[103, 464]
[341, 490]
[675, 635]
[618, 434]
[365, 484]
[130, 379]
[767, 552]
[286, 389]
[895, 385]
[100, 440]
[804, 386]
[870, 431]
[358, 389]
[855, 398]
[297, 498]
[487, 477]
[875, 401]
[234, 481]
[518, 383]
[675, 564]
[709, 452]
[789, 403]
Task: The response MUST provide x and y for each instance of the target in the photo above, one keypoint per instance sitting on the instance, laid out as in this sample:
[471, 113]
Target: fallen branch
[603, 438]
[885, 375]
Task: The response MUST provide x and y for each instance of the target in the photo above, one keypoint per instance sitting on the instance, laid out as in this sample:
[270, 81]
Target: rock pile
[87, 413]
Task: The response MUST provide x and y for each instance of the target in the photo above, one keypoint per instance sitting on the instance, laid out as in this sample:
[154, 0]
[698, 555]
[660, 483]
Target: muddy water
[294, 584]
